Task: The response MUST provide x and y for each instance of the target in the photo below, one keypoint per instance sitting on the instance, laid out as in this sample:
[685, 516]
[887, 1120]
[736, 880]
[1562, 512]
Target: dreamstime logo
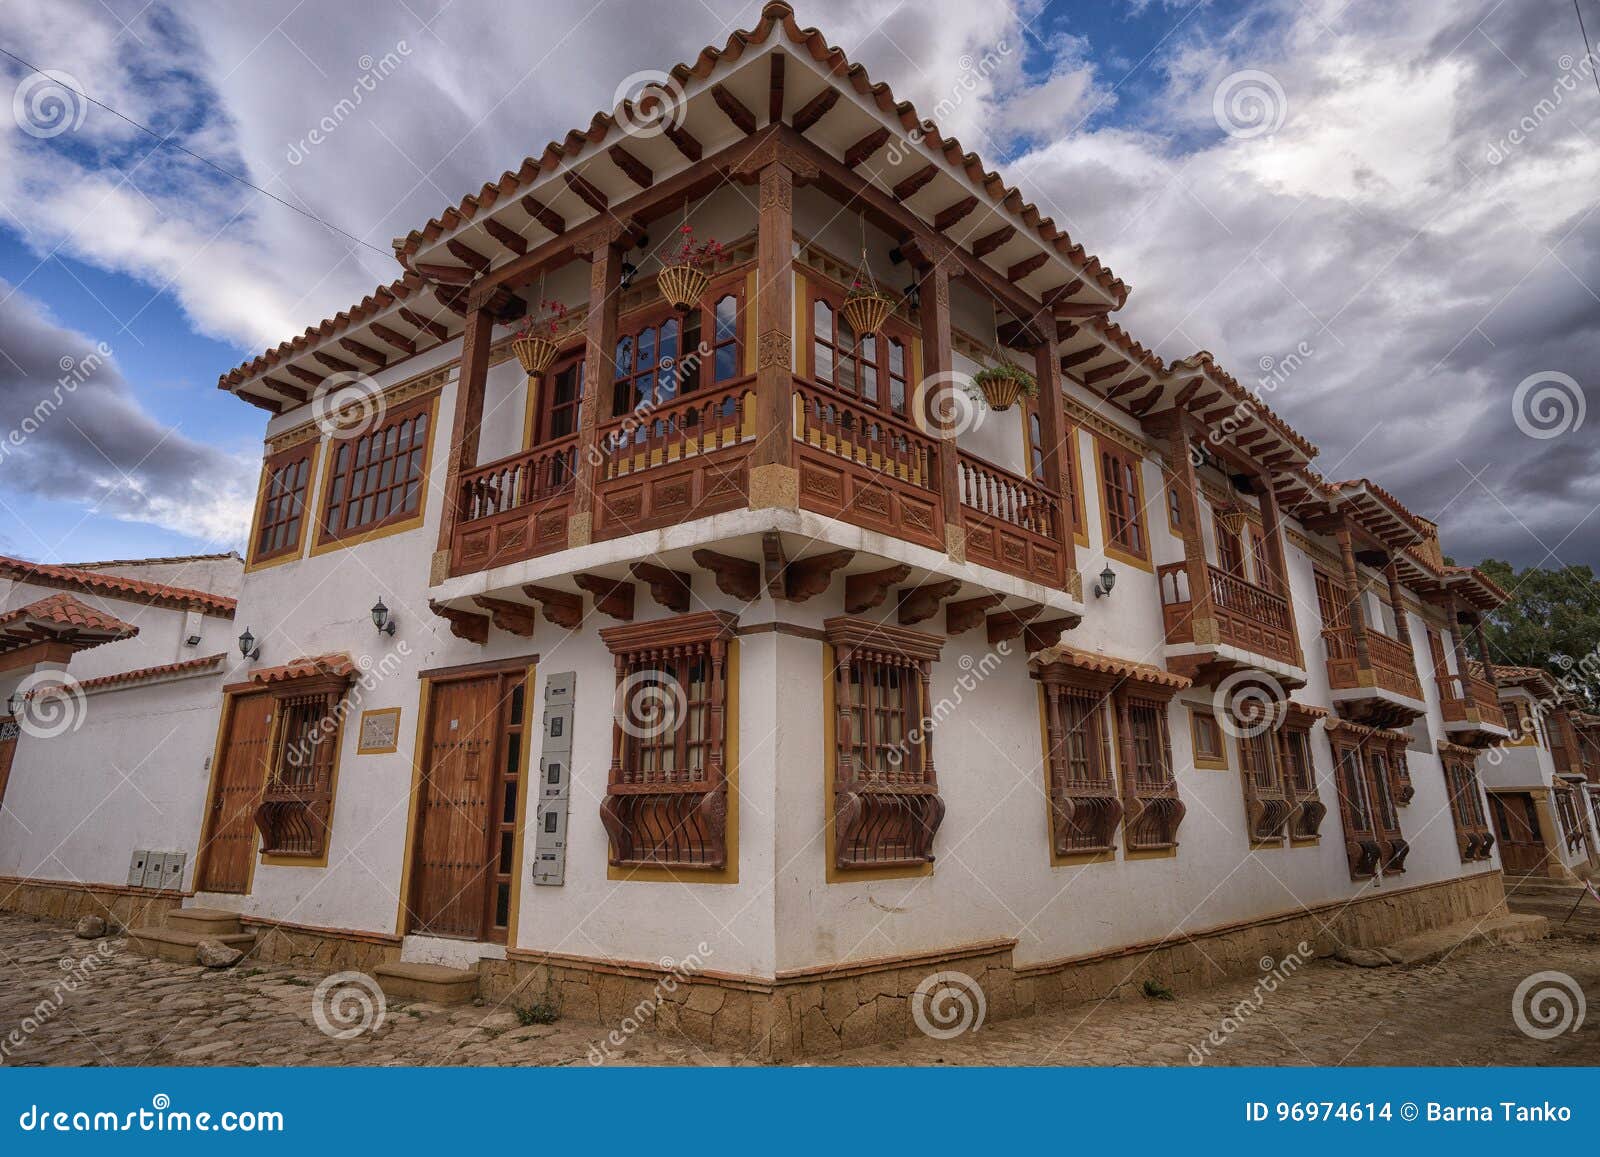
[1249, 703]
[649, 703]
[347, 1004]
[974, 72]
[49, 103]
[1547, 405]
[678, 972]
[1274, 974]
[347, 405]
[947, 1004]
[947, 402]
[1249, 103]
[1547, 1004]
[53, 703]
[373, 73]
[649, 103]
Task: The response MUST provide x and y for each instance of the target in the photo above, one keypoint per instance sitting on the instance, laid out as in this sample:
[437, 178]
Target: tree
[1552, 620]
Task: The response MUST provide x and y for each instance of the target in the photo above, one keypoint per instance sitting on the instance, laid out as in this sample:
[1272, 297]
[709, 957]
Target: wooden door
[467, 809]
[1516, 825]
[230, 825]
[9, 730]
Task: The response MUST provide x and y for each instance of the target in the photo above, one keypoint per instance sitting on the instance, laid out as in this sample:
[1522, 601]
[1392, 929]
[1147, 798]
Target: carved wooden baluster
[617, 735]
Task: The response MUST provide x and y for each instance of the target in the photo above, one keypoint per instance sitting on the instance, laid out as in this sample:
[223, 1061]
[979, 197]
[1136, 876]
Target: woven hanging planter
[683, 285]
[1232, 520]
[535, 353]
[1000, 393]
[867, 309]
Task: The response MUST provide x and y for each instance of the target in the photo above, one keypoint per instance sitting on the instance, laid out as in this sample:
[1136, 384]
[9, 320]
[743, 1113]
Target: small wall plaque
[380, 731]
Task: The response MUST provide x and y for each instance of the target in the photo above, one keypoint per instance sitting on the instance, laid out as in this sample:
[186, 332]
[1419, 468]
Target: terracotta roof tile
[146, 674]
[115, 586]
[307, 667]
[1111, 665]
[67, 612]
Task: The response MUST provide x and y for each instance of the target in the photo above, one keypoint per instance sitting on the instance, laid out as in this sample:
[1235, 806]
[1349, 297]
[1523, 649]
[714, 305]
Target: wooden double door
[229, 840]
[469, 807]
[1516, 826]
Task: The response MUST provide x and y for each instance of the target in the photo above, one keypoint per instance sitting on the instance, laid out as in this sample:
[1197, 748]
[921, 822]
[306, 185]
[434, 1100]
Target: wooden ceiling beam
[989, 242]
[1026, 266]
[338, 364]
[545, 215]
[445, 274]
[587, 193]
[506, 236]
[632, 167]
[436, 330]
[815, 109]
[467, 255]
[951, 214]
[775, 88]
[365, 352]
[394, 338]
[907, 188]
[306, 376]
[734, 109]
[683, 140]
[865, 147]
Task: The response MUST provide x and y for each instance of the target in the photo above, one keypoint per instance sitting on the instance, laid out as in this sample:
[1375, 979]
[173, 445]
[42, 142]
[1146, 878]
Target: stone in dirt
[216, 954]
[91, 928]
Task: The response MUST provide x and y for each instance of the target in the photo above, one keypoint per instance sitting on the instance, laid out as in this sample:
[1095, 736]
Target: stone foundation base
[817, 1012]
[321, 949]
[821, 1011]
[119, 905]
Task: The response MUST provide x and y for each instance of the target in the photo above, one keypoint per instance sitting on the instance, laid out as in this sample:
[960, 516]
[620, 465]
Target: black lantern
[913, 296]
[381, 619]
[248, 646]
[1108, 579]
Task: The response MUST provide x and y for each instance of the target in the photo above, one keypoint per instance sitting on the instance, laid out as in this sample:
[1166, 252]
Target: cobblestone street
[127, 1009]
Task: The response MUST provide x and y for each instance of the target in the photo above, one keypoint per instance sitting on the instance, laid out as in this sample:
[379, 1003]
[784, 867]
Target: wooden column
[600, 331]
[1483, 651]
[1202, 617]
[773, 479]
[1358, 611]
[1402, 628]
[1272, 530]
[933, 292]
[465, 427]
[1053, 434]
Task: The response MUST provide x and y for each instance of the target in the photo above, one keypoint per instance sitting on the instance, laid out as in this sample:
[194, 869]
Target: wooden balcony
[1472, 713]
[1247, 618]
[1372, 694]
[690, 459]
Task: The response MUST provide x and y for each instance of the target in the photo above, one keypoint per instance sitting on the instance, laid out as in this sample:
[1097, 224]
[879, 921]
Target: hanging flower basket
[686, 275]
[1232, 519]
[535, 340]
[866, 309]
[683, 285]
[1004, 382]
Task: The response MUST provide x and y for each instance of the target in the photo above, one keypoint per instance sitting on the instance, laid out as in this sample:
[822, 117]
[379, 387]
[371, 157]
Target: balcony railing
[1470, 699]
[515, 508]
[1394, 667]
[866, 468]
[1247, 616]
[1011, 524]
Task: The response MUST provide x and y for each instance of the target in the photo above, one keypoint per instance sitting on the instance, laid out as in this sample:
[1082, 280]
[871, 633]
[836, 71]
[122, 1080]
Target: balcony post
[1272, 528]
[1402, 627]
[1180, 462]
[1053, 435]
[1482, 642]
[603, 248]
[933, 290]
[1358, 610]
[774, 481]
[465, 427]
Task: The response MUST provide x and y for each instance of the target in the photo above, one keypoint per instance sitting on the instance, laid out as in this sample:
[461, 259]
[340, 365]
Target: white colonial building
[845, 601]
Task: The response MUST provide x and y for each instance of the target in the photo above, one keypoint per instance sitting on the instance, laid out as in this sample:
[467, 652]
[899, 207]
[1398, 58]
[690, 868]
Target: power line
[167, 140]
[1587, 51]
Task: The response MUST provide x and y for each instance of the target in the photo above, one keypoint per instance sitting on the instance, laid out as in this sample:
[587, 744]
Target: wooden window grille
[666, 801]
[1300, 779]
[1365, 760]
[870, 367]
[1267, 800]
[1119, 477]
[1150, 793]
[1474, 839]
[1085, 805]
[378, 478]
[1036, 448]
[886, 807]
[1261, 560]
[281, 513]
[296, 807]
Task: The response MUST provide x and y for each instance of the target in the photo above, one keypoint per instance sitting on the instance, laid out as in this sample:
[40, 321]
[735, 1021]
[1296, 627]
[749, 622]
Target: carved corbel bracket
[474, 628]
[563, 608]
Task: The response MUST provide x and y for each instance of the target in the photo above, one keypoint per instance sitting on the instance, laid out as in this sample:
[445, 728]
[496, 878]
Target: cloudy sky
[1406, 190]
